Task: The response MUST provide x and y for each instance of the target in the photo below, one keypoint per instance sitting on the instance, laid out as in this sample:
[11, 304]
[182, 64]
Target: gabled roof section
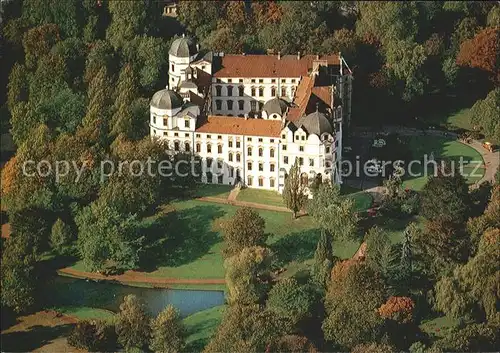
[240, 126]
[270, 65]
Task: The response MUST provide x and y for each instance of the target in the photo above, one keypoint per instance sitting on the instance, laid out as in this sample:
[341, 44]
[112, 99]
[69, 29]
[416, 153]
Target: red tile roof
[240, 126]
[269, 65]
[301, 98]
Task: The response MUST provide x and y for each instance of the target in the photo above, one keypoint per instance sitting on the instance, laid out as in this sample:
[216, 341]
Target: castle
[249, 117]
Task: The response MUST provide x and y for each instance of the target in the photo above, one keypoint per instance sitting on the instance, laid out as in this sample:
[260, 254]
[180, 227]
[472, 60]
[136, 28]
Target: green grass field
[459, 120]
[213, 190]
[441, 147]
[438, 327]
[191, 244]
[266, 197]
[85, 313]
[201, 326]
[362, 200]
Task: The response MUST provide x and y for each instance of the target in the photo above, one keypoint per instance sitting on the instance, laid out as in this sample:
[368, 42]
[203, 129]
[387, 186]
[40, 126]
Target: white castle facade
[249, 117]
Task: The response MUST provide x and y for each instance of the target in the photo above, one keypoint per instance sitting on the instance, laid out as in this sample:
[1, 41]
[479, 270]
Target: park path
[244, 204]
[233, 194]
[138, 277]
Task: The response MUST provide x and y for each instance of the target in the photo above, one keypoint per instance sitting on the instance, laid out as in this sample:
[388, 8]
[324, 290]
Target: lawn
[439, 326]
[200, 327]
[362, 200]
[213, 190]
[187, 244]
[84, 313]
[267, 197]
[441, 147]
[460, 120]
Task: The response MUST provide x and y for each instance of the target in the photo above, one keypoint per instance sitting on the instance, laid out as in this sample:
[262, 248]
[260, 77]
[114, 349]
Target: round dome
[166, 99]
[316, 123]
[275, 106]
[183, 47]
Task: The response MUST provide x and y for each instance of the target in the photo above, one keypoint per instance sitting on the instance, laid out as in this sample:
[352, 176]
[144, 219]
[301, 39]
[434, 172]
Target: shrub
[94, 336]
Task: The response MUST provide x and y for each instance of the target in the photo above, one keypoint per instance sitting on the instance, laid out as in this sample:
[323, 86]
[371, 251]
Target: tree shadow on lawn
[199, 344]
[298, 247]
[180, 237]
[36, 337]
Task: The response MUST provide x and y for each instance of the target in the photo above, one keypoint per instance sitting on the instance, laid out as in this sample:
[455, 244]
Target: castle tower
[182, 52]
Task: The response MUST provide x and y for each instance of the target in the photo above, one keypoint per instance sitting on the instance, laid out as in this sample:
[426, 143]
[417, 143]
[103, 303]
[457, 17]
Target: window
[219, 179]
[218, 104]
[284, 148]
[253, 106]
[261, 181]
[283, 136]
[230, 157]
[261, 140]
[218, 80]
[203, 67]
[261, 91]
[301, 161]
[261, 152]
[249, 165]
[176, 134]
[241, 91]
[230, 143]
[271, 167]
[231, 172]
[261, 167]
[249, 139]
[285, 159]
[241, 104]
[219, 164]
[187, 147]
[229, 80]
[229, 105]
[165, 122]
[209, 148]
[209, 136]
[186, 134]
[209, 177]
[252, 91]
[241, 80]
[219, 137]
[176, 145]
[293, 80]
[238, 144]
[198, 148]
[218, 91]
[219, 148]
[249, 151]
[283, 80]
[301, 148]
[165, 133]
[229, 90]
[303, 138]
[311, 162]
[154, 132]
[198, 135]
[172, 67]
[209, 163]
[253, 80]
[271, 182]
[271, 153]
[327, 149]
[238, 157]
[186, 123]
[261, 80]
[249, 181]
[154, 119]
[283, 91]
[261, 104]
[273, 91]
[273, 80]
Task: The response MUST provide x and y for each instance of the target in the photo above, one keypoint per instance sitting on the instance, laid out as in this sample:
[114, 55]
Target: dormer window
[186, 124]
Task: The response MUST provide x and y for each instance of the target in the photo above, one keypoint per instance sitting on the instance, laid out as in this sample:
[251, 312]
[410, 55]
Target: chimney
[279, 55]
[298, 55]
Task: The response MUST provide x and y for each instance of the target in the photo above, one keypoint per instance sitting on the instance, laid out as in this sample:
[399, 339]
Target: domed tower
[183, 51]
[164, 105]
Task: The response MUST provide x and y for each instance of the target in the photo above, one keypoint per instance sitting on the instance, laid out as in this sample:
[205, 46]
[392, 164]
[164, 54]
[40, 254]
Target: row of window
[253, 91]
[187, 122]
[254, 80]
[260, 180]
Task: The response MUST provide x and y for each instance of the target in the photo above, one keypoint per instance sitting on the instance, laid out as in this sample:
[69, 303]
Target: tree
[247, 275]
[373, 348]
[399, 309]
[99, 97]
[93, 336]
[18, 275]
[445, 197]
[294, 191]
[323, 261]
[17, 86]
[105, 234]
[244, 229]
[379, 252]
[37, 43]
[200, 18]
[60, 236]
[471, 338]
[288, 298]
[247, 328]
[484, 114]
[122, 119]
[128, 19]
[332, 212]
[132, 323]
[481, 52]
[49, 79]
[74, 53]
[167, 331]
[352, 299]
[101, 57]
[292, 343]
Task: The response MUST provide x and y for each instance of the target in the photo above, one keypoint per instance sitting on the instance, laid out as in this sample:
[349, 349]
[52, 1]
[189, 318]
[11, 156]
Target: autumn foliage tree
[399, 309]
[481, 52]
[244, 229]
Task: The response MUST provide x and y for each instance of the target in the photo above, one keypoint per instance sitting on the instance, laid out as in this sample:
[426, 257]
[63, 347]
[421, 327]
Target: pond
[66, 291]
